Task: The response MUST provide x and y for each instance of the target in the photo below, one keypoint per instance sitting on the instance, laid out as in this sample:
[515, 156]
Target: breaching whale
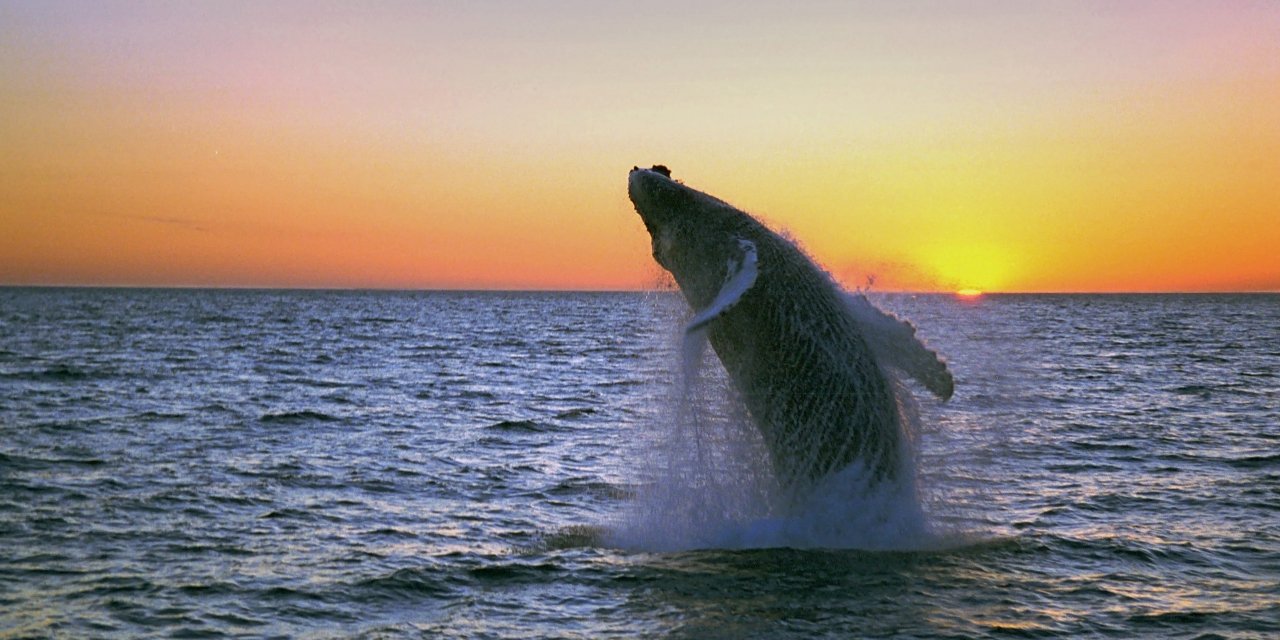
[807, 361]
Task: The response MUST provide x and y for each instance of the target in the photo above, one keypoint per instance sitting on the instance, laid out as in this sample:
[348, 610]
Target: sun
[970, 269]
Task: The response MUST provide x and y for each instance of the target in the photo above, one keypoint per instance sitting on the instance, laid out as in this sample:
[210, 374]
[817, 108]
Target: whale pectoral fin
[895, 344]
[742, 274]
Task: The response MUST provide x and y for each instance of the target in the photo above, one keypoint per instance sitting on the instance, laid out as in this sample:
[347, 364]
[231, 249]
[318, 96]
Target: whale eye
[661, 168]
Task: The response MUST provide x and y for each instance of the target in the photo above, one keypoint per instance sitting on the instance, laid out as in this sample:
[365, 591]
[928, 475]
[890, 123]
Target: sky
[926, 146]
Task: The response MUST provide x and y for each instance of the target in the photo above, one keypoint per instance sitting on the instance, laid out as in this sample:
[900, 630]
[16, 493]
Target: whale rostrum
[808, 365]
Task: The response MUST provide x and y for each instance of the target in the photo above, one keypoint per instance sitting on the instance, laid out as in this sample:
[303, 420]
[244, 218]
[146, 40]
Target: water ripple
[456, 464]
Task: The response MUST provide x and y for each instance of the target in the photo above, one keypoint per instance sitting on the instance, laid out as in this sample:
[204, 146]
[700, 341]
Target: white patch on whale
[742, 274]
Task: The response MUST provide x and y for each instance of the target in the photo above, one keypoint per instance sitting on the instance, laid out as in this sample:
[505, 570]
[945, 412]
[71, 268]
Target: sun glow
[481, 145]
[969, 293]
[974, 267]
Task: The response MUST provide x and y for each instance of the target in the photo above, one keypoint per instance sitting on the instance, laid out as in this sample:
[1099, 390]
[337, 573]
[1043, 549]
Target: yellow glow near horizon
[971, 267]
[922, 146]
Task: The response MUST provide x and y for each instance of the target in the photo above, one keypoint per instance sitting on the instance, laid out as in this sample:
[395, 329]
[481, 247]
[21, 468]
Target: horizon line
[205, 287]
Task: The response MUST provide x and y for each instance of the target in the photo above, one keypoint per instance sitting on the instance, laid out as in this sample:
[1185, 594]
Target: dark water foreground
[338, 464]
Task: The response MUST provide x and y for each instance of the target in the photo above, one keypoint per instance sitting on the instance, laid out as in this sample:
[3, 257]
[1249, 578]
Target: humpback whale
[809, 363]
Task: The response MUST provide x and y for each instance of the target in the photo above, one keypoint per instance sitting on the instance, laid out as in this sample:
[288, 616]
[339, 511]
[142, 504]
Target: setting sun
[1021, 147]
[969, 267]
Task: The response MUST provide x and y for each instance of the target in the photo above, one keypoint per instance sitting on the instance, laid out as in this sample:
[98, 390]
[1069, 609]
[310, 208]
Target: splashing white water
[709, 482]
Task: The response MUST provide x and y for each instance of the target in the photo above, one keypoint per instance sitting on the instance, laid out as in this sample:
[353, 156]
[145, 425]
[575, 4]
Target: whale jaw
[694, 236]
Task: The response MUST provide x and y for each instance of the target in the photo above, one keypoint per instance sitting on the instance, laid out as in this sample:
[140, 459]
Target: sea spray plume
[790, 341]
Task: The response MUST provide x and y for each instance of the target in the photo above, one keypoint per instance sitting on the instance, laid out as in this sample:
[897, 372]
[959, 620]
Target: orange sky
[1010, 146]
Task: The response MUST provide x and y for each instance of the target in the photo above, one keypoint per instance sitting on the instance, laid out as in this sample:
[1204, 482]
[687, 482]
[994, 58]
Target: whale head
[695, 236]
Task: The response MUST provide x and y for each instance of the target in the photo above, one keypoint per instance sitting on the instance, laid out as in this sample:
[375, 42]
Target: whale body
[803, 363]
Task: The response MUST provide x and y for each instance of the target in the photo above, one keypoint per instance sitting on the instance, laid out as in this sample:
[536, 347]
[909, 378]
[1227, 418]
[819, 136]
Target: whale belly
[811, 384]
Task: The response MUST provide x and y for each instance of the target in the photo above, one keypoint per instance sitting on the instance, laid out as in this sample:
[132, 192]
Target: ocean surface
[314, 464]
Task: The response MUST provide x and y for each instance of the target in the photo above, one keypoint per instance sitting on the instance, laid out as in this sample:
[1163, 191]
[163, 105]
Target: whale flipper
[895, 344]
[743, 270]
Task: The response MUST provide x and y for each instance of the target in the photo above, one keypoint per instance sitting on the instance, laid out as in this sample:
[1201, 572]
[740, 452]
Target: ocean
[332, 464]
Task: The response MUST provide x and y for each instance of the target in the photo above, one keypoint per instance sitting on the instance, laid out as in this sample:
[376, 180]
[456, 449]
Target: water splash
[702, 477]
[709, 483]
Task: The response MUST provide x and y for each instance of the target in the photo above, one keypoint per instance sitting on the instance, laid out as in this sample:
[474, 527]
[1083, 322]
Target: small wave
[1173, 619]
[234, 620]
[1256, 462]
[286, 594]
[239, 500]
[513, 342]
[217, 319]
[17, 462]
[404, 584]
[287, 513]
[393, 532]
[1207, 390]
[124, 585]
[66, 372]
[216, 588]
[55, 373]
[1192, 390]
[519, 426]
[293, 417]
[625, 382]
[1131, 549]
[514, 573]
[217, 407]
[28, 463]
[1207, 358]
[574, 413]
[1084, 467]
[338, 398]
[588, 486]
[1105, 446]
[325, 383]
[161, 415]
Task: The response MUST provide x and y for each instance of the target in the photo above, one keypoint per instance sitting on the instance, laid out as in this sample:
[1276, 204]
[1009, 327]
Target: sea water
[208, 463]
